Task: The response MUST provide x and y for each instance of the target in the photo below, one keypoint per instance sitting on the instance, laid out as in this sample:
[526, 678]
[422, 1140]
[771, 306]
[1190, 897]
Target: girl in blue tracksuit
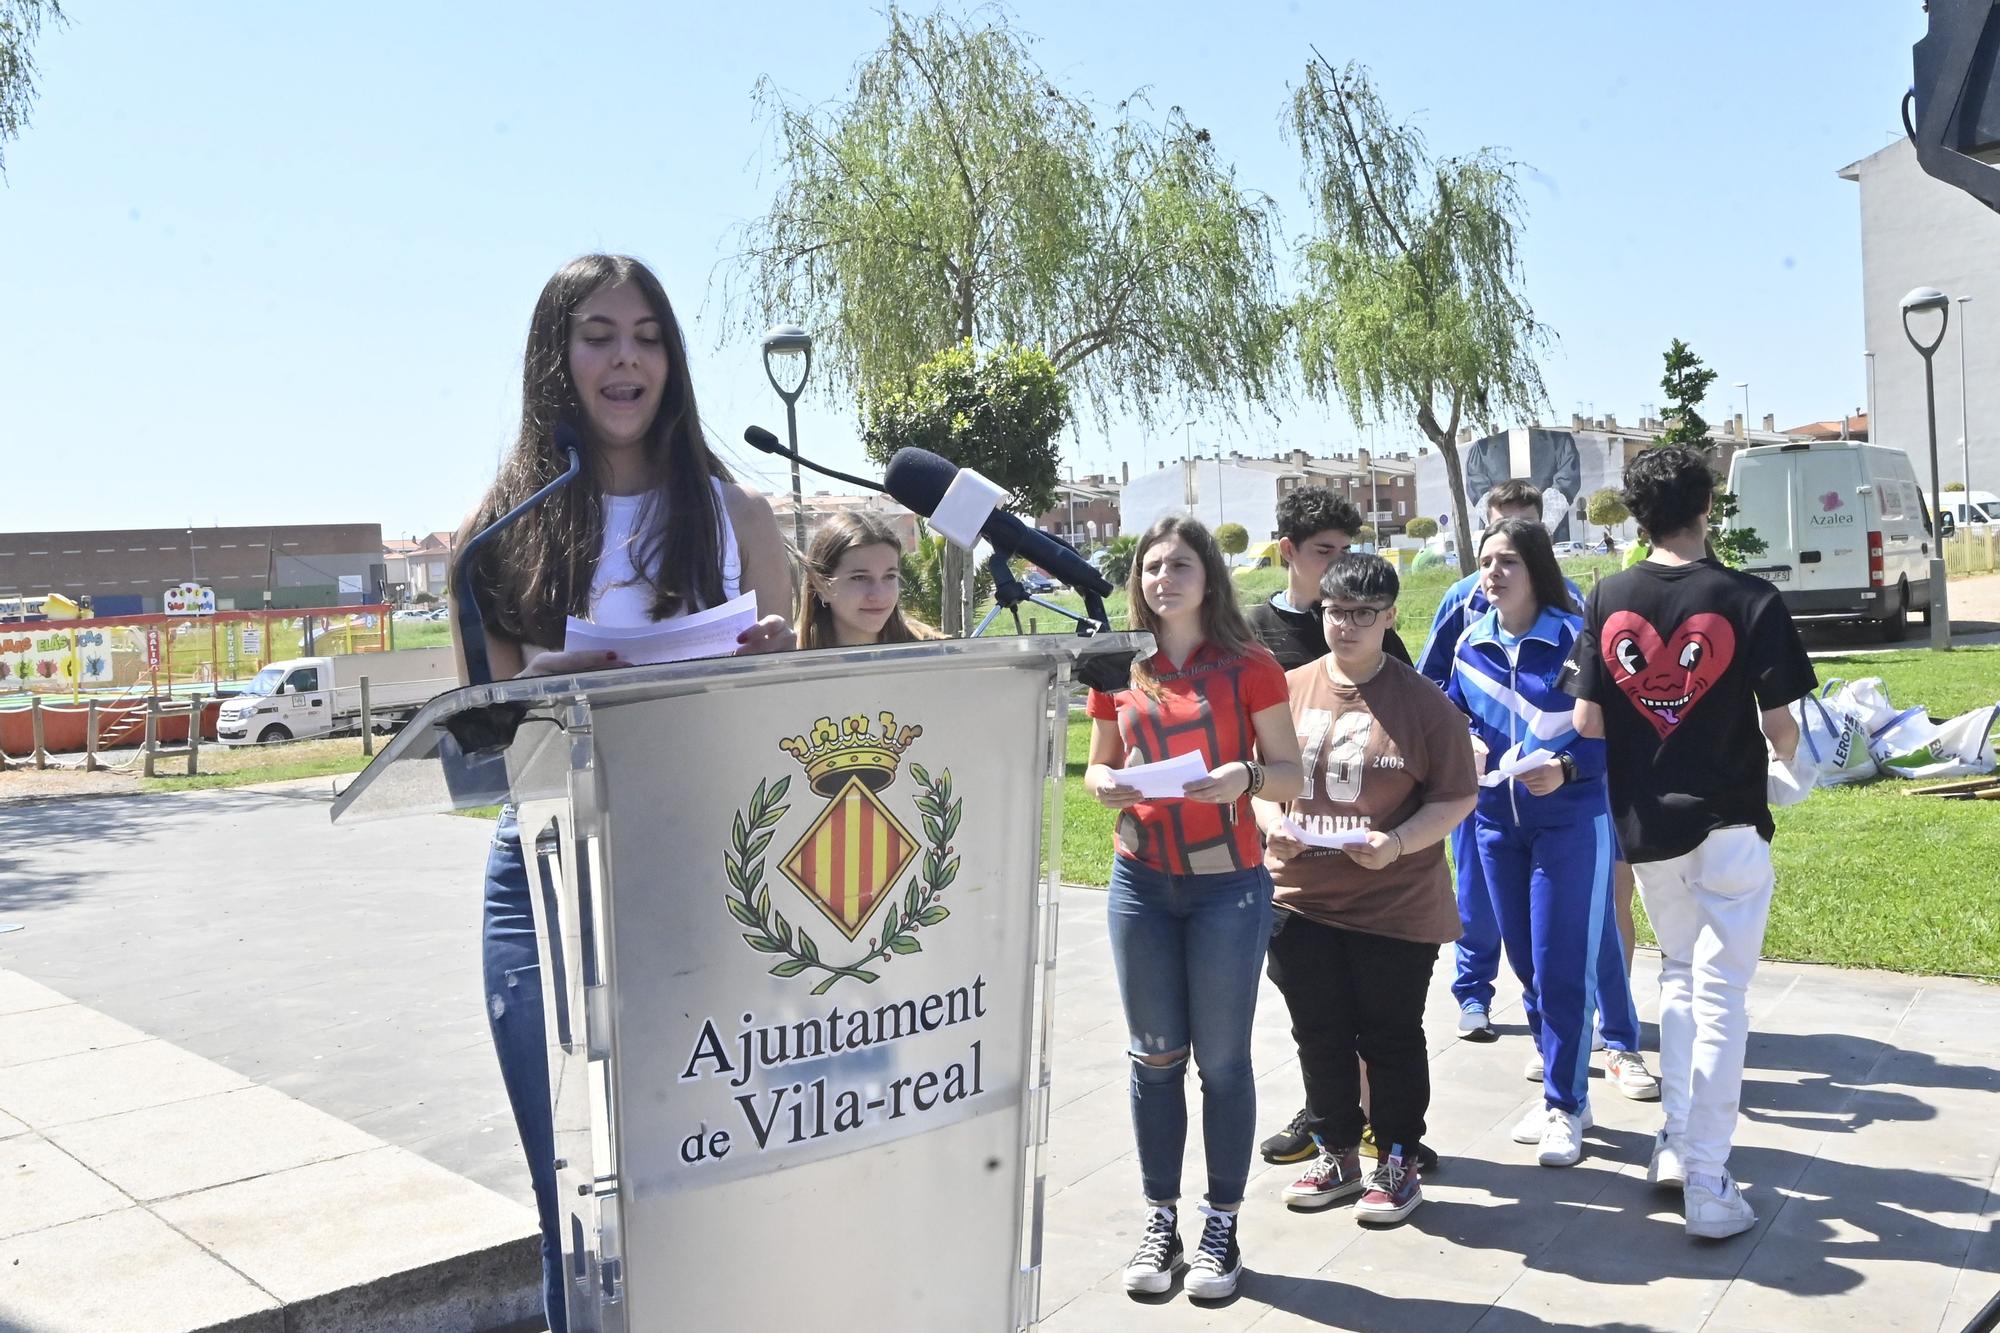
[1543, 834]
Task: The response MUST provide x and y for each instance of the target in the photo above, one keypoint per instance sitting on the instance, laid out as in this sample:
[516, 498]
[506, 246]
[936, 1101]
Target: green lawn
[222, 766]
[1946, 684]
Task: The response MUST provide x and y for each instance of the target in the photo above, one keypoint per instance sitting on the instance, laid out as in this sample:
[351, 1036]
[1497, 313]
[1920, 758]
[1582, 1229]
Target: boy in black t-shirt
[1315, 528]
[1685, 668]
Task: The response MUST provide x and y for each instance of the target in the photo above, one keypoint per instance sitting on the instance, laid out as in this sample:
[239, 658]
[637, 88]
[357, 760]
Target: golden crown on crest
[832, 752]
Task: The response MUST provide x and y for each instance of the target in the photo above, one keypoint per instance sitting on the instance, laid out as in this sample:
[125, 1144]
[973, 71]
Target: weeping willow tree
[1410, 302]
[957, 195]
[20, 24]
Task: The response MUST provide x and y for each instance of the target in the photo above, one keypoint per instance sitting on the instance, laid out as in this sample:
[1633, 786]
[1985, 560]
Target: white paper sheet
[1347, 837]
[1165, 780]
[710, 633]
[1513, 764]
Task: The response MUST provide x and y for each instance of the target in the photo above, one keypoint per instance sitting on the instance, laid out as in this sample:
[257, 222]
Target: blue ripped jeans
[1189, 950]
[513, 978]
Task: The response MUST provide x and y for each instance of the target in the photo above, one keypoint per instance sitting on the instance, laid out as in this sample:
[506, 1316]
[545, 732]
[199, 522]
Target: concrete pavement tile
[63, 1029]
[1116, 1312]
[43, 1186]
[1084, 1136]
[1544, 1299]
[317, 1229]
[19, 995]
[1836, 1294]
[1377, 1300]
[95, 1083]
[9, 1126]
[207, 1141]
[127, 1271]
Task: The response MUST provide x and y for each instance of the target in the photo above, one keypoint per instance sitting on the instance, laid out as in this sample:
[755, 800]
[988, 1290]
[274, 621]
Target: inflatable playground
[104, 672]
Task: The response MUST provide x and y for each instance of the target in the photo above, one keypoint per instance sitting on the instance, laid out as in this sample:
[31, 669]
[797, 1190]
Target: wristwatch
[1568, 767]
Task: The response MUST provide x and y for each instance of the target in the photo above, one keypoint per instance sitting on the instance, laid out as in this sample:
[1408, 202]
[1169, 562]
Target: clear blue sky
[274, 263]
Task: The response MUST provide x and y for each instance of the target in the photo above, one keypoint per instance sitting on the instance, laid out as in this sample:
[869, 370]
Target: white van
[1981, 507]
[1846, 530]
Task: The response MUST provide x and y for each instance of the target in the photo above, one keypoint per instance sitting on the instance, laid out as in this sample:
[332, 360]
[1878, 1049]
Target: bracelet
[1397, 834]
[1256, 772]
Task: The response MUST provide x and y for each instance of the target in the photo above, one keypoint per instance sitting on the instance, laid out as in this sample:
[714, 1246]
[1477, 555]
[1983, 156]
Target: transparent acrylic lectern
[797, 920]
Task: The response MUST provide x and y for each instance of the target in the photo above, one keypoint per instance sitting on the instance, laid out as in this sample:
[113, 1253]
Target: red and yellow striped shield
[851, 857]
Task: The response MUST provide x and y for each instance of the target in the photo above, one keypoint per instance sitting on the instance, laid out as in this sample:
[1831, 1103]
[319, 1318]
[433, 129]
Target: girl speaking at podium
[652, 529]
[1190, 900]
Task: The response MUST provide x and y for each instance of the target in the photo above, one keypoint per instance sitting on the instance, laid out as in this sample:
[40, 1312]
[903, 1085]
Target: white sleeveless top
[620, 595]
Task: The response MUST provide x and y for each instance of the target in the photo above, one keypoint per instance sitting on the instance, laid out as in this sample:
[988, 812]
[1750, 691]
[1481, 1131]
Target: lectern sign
[795, 929]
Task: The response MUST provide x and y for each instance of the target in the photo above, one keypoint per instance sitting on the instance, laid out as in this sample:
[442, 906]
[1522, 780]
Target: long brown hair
[835, 538]
[1222, 622]
[540, 570]
[1530, 541]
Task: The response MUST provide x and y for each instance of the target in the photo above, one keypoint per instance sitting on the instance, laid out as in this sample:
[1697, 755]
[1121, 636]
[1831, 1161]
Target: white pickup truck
[319, 696]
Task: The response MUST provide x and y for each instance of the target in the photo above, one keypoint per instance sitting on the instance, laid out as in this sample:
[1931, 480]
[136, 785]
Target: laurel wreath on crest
[769, 932]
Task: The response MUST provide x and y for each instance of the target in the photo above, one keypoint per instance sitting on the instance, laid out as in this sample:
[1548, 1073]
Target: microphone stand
[1008, 594]
[471, 627]
[763, 441]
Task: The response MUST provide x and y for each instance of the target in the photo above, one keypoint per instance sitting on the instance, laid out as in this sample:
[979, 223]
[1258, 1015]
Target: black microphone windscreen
[759, 438]
[919, 478]
[567, 439]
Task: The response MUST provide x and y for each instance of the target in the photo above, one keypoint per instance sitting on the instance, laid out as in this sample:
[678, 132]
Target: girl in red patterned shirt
[1190, 901]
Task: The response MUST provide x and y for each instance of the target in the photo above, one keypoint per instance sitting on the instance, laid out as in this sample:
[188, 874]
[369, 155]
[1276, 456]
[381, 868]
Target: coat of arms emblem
[850, 859]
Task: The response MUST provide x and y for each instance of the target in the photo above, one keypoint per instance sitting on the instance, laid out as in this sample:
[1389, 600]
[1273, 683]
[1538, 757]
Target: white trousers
[1708, 910]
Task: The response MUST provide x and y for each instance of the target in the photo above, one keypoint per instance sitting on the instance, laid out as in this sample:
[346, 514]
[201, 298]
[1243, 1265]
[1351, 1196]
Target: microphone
[760, 439]
[964, 506]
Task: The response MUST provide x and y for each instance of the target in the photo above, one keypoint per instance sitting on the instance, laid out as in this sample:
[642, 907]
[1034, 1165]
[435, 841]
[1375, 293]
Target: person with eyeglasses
[1357, 927]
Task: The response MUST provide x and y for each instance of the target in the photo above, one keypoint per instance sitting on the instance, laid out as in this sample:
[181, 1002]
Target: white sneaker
[1714, 1216]
[1532, 1071]
[1626, 1071]
[1531, 1125]
[1562, 1139]
[1474, 1025]
[1668, 1169]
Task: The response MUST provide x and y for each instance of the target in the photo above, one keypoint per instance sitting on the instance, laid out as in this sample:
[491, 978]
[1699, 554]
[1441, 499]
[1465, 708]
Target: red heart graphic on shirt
[1666, 679]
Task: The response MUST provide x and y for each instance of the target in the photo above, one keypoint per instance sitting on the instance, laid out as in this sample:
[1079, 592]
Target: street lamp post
[1919, 299]
[788, 358]
[1745, 386]
[1964, 421]
[1187, 465]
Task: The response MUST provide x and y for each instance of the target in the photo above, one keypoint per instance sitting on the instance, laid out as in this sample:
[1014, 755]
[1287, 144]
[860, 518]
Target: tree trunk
[970, 591]
[1454, 480]
[951, 597]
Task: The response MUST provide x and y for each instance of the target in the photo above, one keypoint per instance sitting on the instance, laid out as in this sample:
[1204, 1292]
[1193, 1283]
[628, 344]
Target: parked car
[1036, 581]
[1570, 548]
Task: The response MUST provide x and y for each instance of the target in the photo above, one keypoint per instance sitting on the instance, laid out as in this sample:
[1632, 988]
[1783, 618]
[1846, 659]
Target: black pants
[1355, 994]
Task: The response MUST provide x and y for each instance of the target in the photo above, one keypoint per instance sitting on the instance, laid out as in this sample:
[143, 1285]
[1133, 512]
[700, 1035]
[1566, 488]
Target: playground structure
[68, 679]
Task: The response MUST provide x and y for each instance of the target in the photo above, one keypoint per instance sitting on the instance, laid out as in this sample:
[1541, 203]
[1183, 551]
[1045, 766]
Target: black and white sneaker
[1217, 1262]
[1151, 1270]
[1293, 1143]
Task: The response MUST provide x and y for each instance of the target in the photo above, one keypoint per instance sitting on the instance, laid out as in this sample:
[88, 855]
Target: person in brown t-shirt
[1357, 930]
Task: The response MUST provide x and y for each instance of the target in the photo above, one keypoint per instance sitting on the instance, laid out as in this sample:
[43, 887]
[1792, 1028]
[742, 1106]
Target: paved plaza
[245, 1083]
